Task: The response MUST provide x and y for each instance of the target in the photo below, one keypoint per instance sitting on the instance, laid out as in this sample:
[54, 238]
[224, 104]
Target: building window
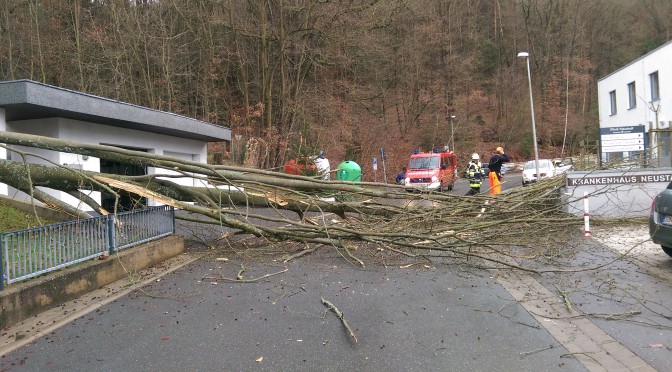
[665, 139]
[632, 95]
[655, 92]
[612, 101]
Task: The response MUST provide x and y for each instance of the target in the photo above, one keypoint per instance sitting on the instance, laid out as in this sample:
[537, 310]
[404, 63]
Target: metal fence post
[110, 233]
[2, 262]
[172, 214]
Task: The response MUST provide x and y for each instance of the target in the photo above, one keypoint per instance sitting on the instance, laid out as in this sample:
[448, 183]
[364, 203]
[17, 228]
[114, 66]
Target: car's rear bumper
[660, 233]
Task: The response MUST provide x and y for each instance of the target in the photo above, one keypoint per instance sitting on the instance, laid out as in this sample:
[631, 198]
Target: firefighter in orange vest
[495, 168]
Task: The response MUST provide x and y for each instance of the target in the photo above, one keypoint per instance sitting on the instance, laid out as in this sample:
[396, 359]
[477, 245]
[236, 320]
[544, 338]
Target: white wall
[152, 143]
[638, 71]
[616, 199]
[101, 134]
[182, 180]
[48, 128]
[78, 131]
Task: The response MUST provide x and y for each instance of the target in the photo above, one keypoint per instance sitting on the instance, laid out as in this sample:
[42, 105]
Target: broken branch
[340, 316]
[212, 277]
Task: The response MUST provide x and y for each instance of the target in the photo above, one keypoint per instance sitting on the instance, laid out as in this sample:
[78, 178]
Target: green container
[349, 171]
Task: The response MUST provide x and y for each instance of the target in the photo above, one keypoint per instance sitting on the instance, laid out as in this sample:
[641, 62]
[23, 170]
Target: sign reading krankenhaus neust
[621, 179]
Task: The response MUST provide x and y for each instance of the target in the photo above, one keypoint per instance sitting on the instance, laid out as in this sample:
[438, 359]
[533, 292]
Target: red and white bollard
[586, 222]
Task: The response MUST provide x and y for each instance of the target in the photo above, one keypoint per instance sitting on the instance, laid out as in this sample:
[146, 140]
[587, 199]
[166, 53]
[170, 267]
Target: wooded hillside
[349, 77]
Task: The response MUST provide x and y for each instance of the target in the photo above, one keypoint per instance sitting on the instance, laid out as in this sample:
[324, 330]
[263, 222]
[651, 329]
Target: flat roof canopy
[27, 99]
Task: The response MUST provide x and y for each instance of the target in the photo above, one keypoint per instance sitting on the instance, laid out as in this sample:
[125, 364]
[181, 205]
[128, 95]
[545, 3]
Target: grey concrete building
[34, 108]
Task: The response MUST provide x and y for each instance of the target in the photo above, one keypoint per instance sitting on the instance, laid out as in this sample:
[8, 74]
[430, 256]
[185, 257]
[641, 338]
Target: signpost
[619, 139]
[375, 168]
[382, 157]
[623, 139]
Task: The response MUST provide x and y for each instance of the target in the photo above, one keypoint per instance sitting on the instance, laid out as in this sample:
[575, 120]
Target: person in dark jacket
[495, 170]
[401, 175]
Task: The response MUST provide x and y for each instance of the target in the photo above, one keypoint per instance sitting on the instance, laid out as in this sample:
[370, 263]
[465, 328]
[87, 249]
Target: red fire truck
[431, 171]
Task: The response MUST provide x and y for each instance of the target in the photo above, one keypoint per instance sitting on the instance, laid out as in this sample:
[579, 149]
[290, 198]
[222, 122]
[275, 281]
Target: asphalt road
[423, 317]
[406, 315]
[510, 181]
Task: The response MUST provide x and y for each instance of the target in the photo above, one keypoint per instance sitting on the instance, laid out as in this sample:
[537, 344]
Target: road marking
[38, 326]
[589, 344]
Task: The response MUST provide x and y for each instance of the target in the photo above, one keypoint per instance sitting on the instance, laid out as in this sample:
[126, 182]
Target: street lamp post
[452, 134]
[526, 55]
[452, 139]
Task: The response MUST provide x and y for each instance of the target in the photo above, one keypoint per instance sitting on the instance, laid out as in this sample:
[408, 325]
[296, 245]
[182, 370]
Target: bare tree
[349, 77]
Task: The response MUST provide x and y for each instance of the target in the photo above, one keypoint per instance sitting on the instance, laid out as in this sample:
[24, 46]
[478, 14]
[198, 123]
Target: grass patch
[16, 219]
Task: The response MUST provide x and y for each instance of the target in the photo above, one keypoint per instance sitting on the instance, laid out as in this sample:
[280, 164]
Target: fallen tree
[522, 224]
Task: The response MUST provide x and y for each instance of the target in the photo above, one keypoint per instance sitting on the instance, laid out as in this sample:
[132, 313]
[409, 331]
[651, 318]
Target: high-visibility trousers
[495, 185]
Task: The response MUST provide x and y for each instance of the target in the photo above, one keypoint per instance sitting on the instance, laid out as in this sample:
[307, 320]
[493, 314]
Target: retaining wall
[22, 300]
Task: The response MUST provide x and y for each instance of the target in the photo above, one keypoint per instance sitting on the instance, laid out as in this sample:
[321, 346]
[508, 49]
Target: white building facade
[635, 109]
[34, 108]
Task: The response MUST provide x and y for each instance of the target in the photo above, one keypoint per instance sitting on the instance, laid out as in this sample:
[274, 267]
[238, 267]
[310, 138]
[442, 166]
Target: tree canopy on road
[345, 215]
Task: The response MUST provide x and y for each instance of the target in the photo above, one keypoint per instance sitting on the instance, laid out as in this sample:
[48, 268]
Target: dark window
[424, 163]
[612, 101]
[447, 161]
[632, 95]
[655, 90]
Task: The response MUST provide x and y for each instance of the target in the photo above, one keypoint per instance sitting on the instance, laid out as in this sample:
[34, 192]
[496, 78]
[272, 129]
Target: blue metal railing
[28, 253]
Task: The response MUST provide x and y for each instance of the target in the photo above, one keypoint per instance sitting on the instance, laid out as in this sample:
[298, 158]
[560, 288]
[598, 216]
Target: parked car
[562, 165]
[546, 170]
[660, 220]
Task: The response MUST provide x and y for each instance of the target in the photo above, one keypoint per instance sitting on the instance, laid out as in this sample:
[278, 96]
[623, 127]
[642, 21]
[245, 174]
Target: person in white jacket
[322, 165]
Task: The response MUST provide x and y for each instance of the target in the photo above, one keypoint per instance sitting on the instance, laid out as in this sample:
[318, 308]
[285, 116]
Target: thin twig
[340, 316]
[300, 254]
[347, 251]
[526, 353]
[211, 277]
[566, 300]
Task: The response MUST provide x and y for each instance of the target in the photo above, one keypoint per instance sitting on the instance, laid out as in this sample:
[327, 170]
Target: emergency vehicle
[431, 171]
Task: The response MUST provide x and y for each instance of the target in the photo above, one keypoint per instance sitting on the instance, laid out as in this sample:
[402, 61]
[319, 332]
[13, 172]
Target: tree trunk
[440, 225]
